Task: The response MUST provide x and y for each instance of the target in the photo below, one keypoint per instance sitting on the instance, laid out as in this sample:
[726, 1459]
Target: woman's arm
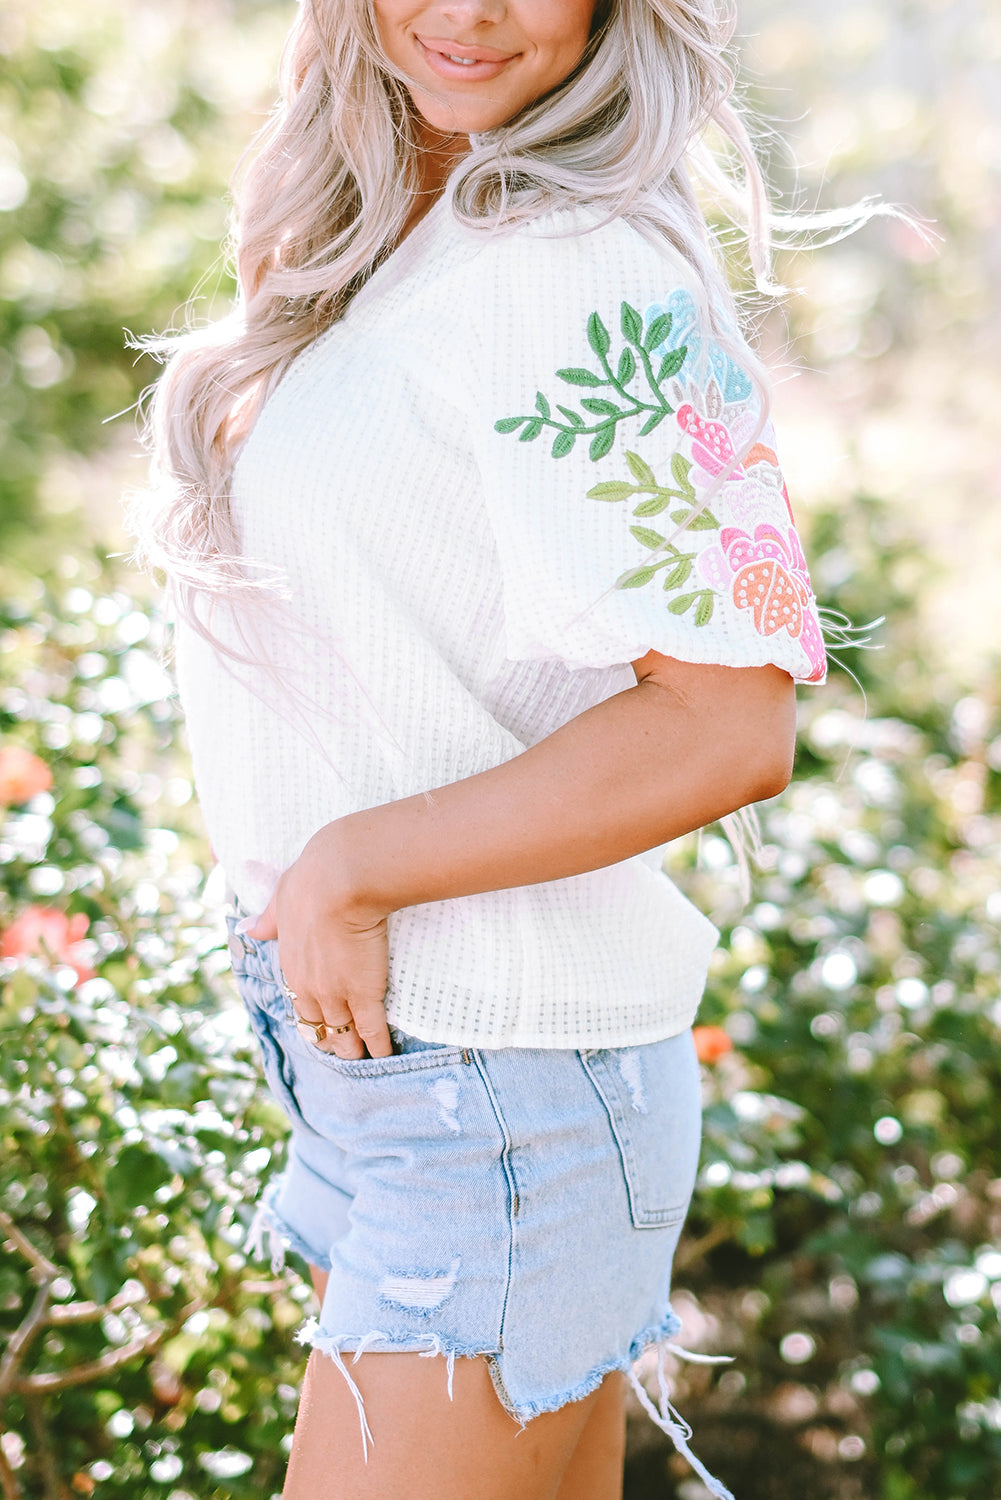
[685, 746]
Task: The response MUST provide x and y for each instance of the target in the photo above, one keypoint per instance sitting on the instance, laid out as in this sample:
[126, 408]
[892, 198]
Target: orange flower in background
[46, 931]
[22, 775]
[711, 1043]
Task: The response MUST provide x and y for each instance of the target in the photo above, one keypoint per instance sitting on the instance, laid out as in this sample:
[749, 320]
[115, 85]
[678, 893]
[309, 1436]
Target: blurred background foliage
[844, 1243]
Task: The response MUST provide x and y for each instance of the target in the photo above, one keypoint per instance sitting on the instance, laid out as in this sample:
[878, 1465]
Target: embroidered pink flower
[767, 574]
[712, 445]
[47, 931]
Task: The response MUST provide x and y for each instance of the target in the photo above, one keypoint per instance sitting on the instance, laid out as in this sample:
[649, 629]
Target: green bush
[142, 1352]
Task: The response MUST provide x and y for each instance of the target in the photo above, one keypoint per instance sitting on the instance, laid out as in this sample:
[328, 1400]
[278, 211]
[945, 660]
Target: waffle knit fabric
[471, 486]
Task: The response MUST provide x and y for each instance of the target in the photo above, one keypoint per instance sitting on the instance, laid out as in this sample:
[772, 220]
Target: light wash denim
[523, 1204]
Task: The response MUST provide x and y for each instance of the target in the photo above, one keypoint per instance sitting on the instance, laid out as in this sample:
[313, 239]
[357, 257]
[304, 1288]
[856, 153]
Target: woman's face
[476, 63]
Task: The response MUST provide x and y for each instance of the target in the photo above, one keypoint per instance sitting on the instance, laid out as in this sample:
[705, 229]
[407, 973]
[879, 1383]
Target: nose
[466, 14]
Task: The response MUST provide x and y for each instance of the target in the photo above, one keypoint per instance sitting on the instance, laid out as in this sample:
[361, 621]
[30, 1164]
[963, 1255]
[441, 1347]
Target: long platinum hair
[645, 128]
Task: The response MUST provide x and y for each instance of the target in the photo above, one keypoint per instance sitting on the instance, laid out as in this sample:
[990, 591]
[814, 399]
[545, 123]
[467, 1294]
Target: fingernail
[245, 924]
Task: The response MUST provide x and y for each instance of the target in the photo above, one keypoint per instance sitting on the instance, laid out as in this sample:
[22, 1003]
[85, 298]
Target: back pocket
[652, 1096]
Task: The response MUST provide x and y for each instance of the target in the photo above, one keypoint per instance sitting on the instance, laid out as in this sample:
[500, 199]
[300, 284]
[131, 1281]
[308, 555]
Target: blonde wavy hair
[646, 118]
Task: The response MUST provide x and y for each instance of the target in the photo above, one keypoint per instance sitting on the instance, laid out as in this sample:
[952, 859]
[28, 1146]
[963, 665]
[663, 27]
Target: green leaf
[679, 574]
[636, 579]
[648, 537]
[652, 422]
[598, 335]
[672, 363]
[531, 431]
[600, 407]
[704, 521]
[579, 377]
[602, 442]
[704, 609]
[652, 507]
[627, 367]
[542, 405]
[508, 424]
[658, 331]
[683, 602]
[640, 469]
[677, 516]
[681, 468]
[563, 443]
[611, 489]
[573, 417]
[632, 325]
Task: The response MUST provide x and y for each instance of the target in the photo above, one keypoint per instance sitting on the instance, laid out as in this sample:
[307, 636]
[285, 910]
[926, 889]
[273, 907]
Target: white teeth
[467, 62]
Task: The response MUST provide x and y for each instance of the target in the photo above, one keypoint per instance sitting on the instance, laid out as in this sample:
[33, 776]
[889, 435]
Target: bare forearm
[654, 762]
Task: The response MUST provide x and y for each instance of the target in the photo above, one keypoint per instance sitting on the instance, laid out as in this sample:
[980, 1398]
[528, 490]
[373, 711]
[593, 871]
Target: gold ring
[318, 1031]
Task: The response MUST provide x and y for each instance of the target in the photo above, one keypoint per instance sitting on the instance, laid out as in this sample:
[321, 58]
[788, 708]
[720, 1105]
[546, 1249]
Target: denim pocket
[651, 1095]
[411, 1056]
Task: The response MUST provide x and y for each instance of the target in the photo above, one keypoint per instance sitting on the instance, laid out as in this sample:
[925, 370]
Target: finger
[371, 1027]
[344, 1043]
[264, 927]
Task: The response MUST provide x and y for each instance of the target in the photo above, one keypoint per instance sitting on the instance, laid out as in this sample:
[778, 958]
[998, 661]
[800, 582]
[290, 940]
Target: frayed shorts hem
[664, 1414]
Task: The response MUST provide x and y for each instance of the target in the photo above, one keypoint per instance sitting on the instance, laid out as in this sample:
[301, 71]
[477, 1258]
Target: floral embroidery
[668, 369]
[770, 578]
[606, 414]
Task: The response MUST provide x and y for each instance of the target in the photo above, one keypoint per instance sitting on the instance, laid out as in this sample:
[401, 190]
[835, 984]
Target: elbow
[772, 776]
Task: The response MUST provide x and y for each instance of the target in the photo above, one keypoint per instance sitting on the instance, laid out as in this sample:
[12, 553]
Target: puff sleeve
[604, 414]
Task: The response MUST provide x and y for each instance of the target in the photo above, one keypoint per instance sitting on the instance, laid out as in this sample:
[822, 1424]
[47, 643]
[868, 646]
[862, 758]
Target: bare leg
[429, 1446]
[595, 1470]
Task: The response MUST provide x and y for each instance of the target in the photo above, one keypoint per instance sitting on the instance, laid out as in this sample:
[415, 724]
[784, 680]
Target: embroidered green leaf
[531, 431]
[632, 325]
[562, 443]
[508, 424]
[672, 363]
[652, 422]
[677, 516]
[648, 537]
[679, 574]
[652, 507]
[598, 337]
[636, 579]
[681, 468]
[704, 608]
[627, 367]
[573, 417]
[579, 377]
[658, 331]
[640, 469]
[611, 489]
[600, 407]
[602, 442]
[704, 521]
[542, 405]
[683, 602]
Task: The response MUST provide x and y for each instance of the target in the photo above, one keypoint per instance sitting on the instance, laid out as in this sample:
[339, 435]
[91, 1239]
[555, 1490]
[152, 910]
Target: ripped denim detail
[269, 1237]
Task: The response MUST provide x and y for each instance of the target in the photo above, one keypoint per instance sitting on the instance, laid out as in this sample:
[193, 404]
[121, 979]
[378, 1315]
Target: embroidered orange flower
[22, 775]
[51, 933]
[711, 1043]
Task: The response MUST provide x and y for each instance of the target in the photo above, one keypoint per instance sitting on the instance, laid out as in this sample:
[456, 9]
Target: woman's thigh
[431, 1446]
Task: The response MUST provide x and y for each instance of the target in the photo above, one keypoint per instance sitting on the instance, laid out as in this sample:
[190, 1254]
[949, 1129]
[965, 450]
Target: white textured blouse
[471, 486]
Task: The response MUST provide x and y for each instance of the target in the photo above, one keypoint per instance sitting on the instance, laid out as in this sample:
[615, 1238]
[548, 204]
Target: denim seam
[512, 1191]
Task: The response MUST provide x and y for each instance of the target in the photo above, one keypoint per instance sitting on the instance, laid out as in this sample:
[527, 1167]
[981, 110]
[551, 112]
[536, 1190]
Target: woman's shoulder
[572, 262]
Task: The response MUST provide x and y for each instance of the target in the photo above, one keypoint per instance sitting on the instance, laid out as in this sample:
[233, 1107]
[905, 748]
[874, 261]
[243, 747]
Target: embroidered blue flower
[734, 383]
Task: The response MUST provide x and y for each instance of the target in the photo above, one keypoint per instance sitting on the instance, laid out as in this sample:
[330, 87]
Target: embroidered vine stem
[638, 346]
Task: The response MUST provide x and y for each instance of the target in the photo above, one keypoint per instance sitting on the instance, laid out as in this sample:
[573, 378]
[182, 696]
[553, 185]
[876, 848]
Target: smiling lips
[453, 61]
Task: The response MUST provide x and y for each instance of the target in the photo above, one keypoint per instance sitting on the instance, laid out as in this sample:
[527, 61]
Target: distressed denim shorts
[523, 1204]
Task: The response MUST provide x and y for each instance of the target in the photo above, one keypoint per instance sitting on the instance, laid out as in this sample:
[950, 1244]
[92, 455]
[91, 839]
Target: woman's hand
[333, 953]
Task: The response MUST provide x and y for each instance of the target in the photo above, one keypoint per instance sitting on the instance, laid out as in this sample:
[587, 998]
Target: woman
[486, 588]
